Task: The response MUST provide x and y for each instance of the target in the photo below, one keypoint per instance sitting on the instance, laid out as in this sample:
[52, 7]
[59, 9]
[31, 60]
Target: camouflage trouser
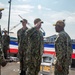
[5, 48]
[22, 58]
[23, 68]
[33, 70]
[33, 67]
[65, 69]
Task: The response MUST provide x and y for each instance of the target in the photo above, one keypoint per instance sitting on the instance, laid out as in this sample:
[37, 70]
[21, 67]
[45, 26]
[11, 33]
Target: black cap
[37, 20]
[24, 20]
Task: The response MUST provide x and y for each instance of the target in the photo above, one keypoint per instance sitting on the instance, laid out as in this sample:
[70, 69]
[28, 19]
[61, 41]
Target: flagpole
[9, 15]
[9, 20]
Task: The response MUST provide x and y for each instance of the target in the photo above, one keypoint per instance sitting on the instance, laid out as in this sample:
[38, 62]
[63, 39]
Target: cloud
[22, 0]
[1, 5]
[55, 2]
[55, 15]
[51, 17]
[71, 18]
[47, 9]
[15, 11]
[48, 15]
[40, 7]
[22, 9]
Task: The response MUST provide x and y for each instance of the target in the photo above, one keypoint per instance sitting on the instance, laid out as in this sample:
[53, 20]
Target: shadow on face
[58, 28]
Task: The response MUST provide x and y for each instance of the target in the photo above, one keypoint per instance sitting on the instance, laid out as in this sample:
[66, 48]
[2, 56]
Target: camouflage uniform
[2, 60]
[1, 36]
[0, 46]
[21, 36]
[34, 51]
[63, 48]
[5, 44]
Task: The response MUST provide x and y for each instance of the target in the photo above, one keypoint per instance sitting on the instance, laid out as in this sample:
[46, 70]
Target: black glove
[3, 63]
[59, 68]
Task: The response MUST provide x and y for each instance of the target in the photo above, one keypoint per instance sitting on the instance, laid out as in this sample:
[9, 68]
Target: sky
[49, 11]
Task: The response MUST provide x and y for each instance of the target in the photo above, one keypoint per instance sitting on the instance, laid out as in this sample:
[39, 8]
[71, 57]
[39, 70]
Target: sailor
[63, 48]
[2, 60]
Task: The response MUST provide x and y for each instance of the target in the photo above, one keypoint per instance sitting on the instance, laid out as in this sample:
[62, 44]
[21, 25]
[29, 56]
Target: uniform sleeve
[2, 39]
[18, 36]
[25, 42]
[42, 50]
[1, 53]
[42, 46]
[60, 49]
[8, 39]
[69, 51]
[30, 31]
[28, 34]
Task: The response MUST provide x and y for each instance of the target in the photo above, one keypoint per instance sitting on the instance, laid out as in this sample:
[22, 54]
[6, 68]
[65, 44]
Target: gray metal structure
[47, 60]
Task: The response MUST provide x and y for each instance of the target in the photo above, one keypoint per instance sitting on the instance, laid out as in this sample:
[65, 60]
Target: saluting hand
[38, 25]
